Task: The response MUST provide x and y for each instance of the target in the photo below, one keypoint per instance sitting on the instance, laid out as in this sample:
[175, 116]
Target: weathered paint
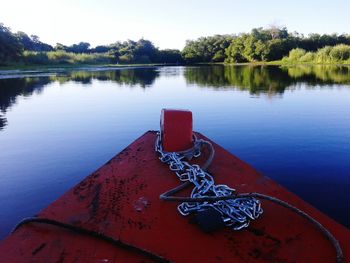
[121, 199]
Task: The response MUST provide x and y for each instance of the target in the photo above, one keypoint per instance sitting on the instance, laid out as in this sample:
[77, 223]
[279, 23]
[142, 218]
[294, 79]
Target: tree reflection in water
[2, 122]
[271, 80]
[12, 88]
[266, 79]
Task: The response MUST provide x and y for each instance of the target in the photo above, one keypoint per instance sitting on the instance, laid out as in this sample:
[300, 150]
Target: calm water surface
[292, 124]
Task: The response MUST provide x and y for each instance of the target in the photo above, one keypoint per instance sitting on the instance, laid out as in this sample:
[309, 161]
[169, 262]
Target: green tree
[81, 47]
[235, 51]
[10, 47]
[169, 56]
[145, 51]
[262, 50]
[32, 43]
[206, 49]
[60, 46]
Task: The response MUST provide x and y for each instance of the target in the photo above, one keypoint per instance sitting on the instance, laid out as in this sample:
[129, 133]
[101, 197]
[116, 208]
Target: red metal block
[176, 130]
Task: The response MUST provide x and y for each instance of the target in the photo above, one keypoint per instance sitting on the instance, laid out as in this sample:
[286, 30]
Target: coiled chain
[236, 212]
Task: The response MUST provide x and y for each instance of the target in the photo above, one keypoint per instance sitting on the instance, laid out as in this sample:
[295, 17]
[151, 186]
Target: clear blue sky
[167, 23]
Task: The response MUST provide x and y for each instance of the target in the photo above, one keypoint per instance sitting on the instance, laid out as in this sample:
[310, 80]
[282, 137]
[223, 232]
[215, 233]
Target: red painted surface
[121, 199]
[176, 128]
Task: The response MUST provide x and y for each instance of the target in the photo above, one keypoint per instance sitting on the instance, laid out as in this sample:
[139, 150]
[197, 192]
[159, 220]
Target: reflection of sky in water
[56, 136]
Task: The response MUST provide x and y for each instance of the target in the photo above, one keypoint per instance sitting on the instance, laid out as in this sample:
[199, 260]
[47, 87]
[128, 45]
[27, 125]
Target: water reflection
[11, 88]
[253, 79]
[272, 80]
[143, 77]
[320, 74]
[2, 122]
[266, 79]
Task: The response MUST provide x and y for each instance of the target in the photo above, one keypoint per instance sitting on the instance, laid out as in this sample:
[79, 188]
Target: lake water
[292, 124]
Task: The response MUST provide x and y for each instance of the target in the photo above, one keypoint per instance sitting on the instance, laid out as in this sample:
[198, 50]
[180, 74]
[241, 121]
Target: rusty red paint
[121, 199]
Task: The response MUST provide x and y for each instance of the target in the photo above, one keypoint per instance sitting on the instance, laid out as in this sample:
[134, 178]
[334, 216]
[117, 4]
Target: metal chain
[236, 212]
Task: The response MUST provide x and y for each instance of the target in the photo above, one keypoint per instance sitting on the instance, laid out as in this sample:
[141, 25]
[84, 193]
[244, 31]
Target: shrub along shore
[339, 54]
[261, 46]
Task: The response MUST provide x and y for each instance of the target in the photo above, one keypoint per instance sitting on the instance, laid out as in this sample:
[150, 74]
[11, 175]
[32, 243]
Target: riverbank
[299, 63]
[276, 63]
[75, 66]
[14, 68]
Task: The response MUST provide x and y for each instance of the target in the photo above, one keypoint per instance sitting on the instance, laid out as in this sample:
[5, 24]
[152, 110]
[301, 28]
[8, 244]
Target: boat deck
[121, 200]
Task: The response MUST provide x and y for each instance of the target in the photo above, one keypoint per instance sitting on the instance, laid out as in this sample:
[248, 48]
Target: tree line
[260, 44]
[19, 47]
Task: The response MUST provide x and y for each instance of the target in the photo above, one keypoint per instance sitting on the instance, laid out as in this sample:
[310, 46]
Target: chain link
[236, 212]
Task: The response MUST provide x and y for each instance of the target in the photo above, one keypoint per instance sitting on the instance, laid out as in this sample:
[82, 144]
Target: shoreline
[75, 66]
[274, 63]
[20, 68]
